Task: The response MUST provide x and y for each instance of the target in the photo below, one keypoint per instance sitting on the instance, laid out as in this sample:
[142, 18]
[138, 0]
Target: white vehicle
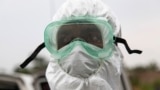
[13, 82]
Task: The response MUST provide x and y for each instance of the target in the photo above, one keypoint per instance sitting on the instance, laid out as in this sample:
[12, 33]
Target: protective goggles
[90, 30]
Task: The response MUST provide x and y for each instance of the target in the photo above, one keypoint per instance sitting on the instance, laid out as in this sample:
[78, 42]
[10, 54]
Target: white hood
[95, 8]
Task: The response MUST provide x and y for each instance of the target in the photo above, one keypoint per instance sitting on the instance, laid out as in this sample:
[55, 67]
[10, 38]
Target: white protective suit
[90, 74]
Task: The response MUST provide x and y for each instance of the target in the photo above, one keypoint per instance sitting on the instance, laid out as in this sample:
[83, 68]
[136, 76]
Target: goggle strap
[41, 46]
[123, 41]
[33, 55]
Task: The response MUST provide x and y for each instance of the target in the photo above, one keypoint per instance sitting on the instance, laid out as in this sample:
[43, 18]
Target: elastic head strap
[41, 46]
[33, 55]
[123, 41]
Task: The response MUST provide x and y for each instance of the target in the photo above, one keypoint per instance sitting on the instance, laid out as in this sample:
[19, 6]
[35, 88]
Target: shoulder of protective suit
[94, 8]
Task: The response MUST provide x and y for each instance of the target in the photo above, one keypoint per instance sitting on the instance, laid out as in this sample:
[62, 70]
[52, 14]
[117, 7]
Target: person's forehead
[78, 26]
[78, 29]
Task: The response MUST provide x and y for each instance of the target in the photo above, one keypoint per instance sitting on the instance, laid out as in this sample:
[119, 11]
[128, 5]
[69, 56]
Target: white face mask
[79, 64]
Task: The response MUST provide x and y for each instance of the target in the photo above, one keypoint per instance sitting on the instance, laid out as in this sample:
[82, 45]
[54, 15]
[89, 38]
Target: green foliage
[25, 71]
[134, 80]
[146, 86]
[157, 85]
[136, 74]
[151, 67]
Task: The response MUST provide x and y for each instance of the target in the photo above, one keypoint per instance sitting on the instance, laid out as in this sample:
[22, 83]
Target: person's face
[87, 32]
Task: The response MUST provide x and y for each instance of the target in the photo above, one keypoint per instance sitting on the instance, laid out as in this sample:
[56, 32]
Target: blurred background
[22, 24]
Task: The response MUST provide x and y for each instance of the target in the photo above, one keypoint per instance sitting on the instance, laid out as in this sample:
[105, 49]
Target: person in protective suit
[84, 55]
[82, 39]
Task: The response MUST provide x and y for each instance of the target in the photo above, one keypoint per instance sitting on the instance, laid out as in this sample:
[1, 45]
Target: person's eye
[95, 38]
[66, 40]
